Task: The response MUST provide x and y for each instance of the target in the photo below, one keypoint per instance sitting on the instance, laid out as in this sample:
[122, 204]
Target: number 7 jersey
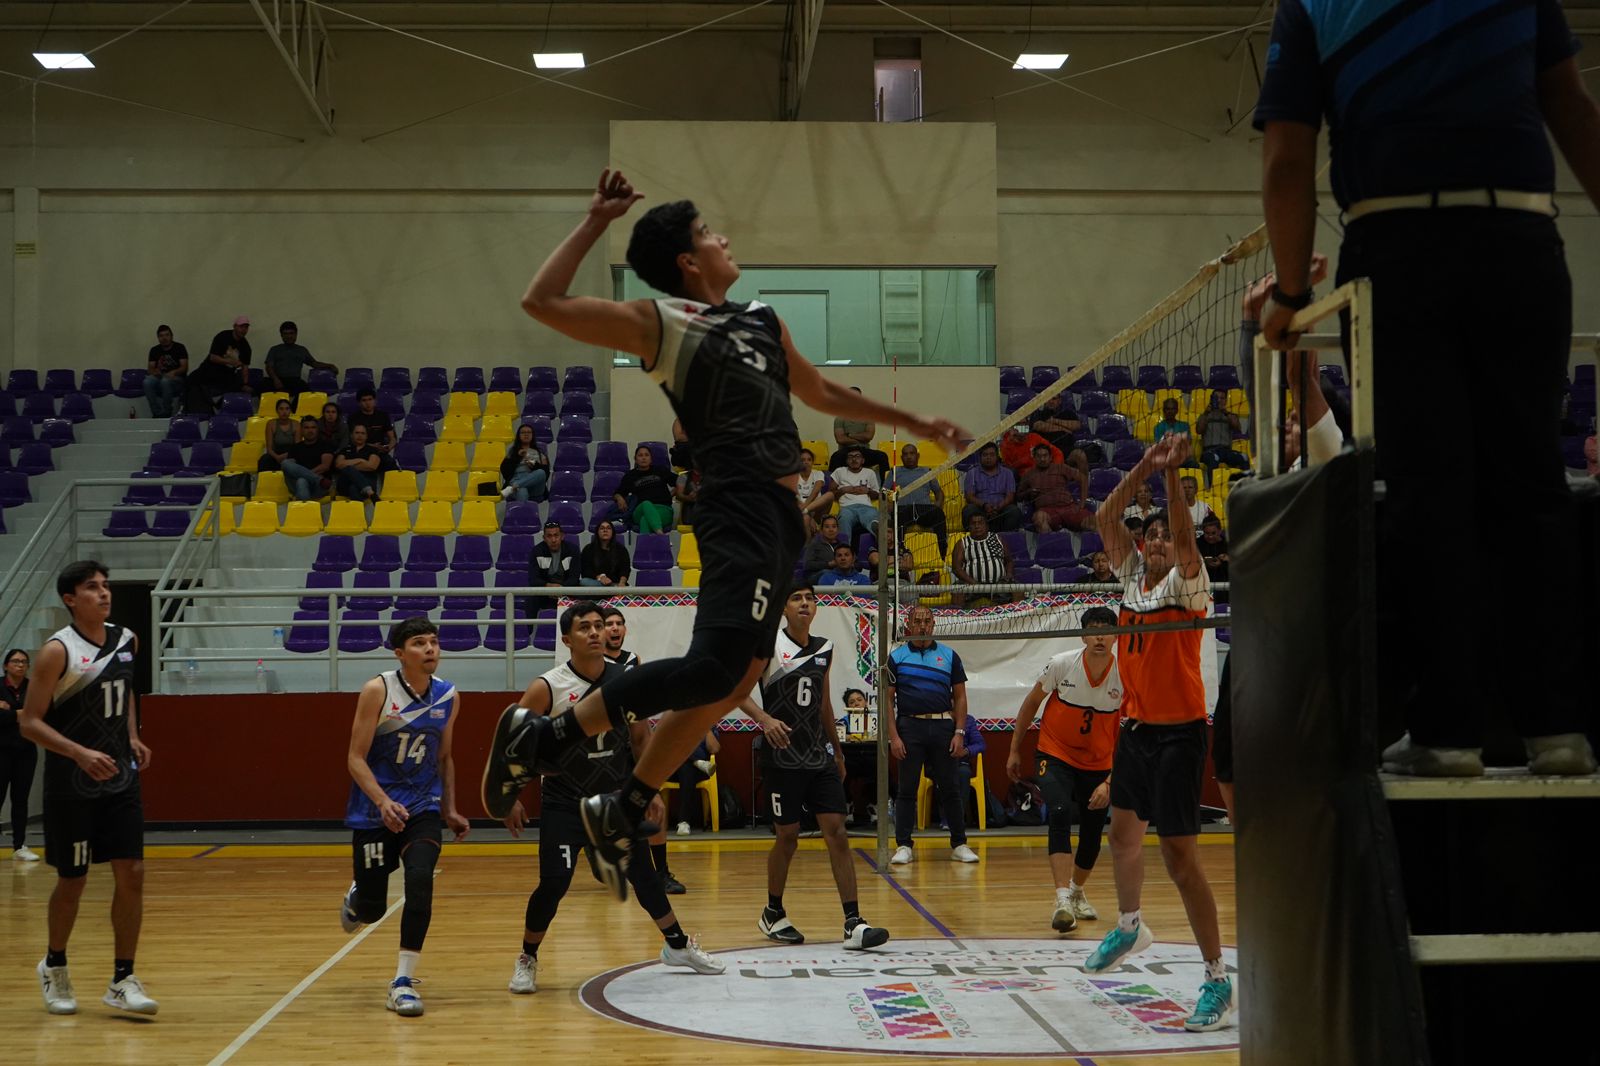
[404, 755]
[90, 707]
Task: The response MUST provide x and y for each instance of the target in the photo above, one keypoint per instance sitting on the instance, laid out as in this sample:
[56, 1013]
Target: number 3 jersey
[603, 762]
[793, 691]
[1078, 723]
[90, 707]
[404, 756]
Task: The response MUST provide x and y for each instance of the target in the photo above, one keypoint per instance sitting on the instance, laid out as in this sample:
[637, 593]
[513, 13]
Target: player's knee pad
[419, 887]
[1058, 830]
[542, 904]
[1088, 849]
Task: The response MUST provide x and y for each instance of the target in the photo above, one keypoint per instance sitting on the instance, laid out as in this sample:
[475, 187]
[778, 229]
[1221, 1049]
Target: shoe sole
[780, 937]
[515, 991]
[118, 1004]
[684, 965]
[1220, 1023]
[60, 1009]
[611, 874]
[1063, 920]
[407, 1012]
[502, 735]
[1143, 939]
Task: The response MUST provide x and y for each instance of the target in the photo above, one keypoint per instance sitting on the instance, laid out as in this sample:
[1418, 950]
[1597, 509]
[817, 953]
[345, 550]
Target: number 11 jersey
[90, 707]
[404, 756]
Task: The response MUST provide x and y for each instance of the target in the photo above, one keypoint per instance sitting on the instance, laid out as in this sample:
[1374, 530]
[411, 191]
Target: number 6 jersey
[1078, 723]
[90, 707]
[404, 755]
[792, 691]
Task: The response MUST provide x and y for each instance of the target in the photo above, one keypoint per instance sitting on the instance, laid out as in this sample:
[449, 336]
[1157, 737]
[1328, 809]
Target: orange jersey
[1078, 723]
[1161, 671]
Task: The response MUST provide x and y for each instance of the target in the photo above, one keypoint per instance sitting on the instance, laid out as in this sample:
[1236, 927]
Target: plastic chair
[394, 378]
[505, 379]
[471, 553]
[513, 553]
[131, 386]
[416, 579]
[538, 404]
[308, 635]
[461, 579]
[464, 403]
[433, 379]
[411, 455]
[1011, 377]
[427, 404]
[604, 486]
[543, 378]
[574, 428]
[205, 459]
[443, 485]
[468, 379]
[270, 486]
[77, 407]
[165, 458]
[1043, 377]
[1054, 550]
[378, 552]
[456, 429]
[478, 517]
[434, 518]
[336, 553]
[302, 518]
[22, 382]
[522, 517]
[449, 456]
[578, 379]
[571, 457]
[459, 631]
[476, 479]
[500, 402]
[710, 797]
[688, 552]
[14, 491]
[1187, 377]
[223, 429]
[96, 382]
[1115, 377]
[259, 518]
[1126, 454]
[359, 632]
[417, 429]
[544, 633]
[426, 554]
[371, 579]
[577, 403]
[346, 518]
[389, 517]
[570, 519]
[1151, 376]
[400, 486]
[16, 430]
[1103, 482]
[652, 551]
[496, 430]
[925, 797]
[34, 458]
[57, 432]
[126, 524]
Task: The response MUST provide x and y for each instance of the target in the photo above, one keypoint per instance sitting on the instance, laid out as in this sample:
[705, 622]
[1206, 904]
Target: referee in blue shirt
[1437, 112]
[927, 728]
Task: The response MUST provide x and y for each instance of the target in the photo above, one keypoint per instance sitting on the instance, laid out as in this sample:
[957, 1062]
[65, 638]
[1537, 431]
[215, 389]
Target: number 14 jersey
[404, 756]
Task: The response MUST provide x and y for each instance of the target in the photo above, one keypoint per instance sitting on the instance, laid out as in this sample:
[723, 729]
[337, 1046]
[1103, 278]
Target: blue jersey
[404, 756]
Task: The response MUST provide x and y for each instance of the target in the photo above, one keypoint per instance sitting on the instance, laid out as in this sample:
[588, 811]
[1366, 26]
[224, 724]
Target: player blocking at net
[728, 369]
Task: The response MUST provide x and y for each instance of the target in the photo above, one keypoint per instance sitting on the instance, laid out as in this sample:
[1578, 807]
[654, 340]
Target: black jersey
[603, 762]
[90, 707]
[624, 658]
[793, 690]
[726, 374]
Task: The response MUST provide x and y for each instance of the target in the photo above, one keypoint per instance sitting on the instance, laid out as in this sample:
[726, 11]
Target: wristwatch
[1293, 303]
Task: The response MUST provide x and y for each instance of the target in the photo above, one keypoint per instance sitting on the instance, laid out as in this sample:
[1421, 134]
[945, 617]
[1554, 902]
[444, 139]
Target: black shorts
[819, 791]
[377, 852]
[80, 830]
[1068, 787]
[751, 537]
[1222, 725]
[563, 843]
[1156, 774]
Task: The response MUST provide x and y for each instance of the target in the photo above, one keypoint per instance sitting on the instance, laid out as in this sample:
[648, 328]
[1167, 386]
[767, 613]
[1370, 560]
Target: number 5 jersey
[404, 756]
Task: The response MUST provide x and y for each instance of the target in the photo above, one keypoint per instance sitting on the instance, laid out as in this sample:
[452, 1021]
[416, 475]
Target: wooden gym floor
[243, 949]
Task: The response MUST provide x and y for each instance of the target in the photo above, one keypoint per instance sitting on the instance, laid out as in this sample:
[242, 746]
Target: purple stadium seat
[543, 378]
[183, 429]
[223, 429]
[510, 578]
[426, 554]
[1112, 427]
[544, 633]
[371, 580]
[359, 632]
[433, 379]
[1044, 376]
[309, 634]
[397, 378]
[605, 486]
[57, 432]
[521, 517]
[170, 523]
[257, 380]
[514, 551]
[318, 579]
[494, 634]
[577, 403]
[472, 553]
[1014, 398]
[1011, 377]
[8, 405]
[144, 496]
[1333, 374]
[357, 378]
[320, 380]
[1224, 376]
[539, 403]
[612, 455]
[126, 524]
[1187, 377]
[414, 579]
[39, 406]
[1068, 575]
[542, 431]
[505, 379]
[348, 405]
[336, 554]
[578, 379]
[426, 403]
[237, 404]
[652, 578]
[568, 517]
[131, 387]
[1085, 383]
[1088, 544]
[652, 551]
[34, 458]
[453, 636]
[418, 430]
[411, 455]
[574, 428]
[188, 495]
[1126, 454]
[571, 456]
[1115, 377]
[567, 487]
[16, 430]
[77, 407]
[1103, 482]
[23, 382]
[1151, 378]
[1094, 403]
[14, 491]
[468, 379]
[1029, 575]
[205, 459]
[380, 552]
[658, 453]
[465, 580]
[390, 402]
[1018, 543]
[1054, 550]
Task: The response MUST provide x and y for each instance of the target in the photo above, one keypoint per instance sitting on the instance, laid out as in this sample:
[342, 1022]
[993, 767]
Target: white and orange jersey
[1078, 723]
[1161, 671]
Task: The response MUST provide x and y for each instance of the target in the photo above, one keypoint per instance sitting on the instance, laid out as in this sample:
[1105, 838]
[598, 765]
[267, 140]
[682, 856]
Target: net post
[886, 617]
[1267, 412]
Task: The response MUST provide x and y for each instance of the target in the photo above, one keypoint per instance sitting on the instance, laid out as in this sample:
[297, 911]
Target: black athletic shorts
[751, 537]
[376, 852]
[79, 830]
[562, 844]
[1068, 787]
[819, 791]
[1156, 774]
[1222, 725]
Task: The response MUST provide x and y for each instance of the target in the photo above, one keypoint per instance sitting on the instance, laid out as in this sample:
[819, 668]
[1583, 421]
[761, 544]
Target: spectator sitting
[307, 462]
[991, 490]
[1100, 572]
[681, 454]
[982, 558]
[332, 429]
[695, 769]
[857, 490]
[966, 767]
[906, 570]
[1214, 552]
[1049, 487]
[224, 369]
[844, 570]
[1143, 505]
[812, 491]
[1191, 499]
[1135, 526]
[1016, 450]
[526, 468]
[380, 429]
[849, 434]
[283, 432]
[283, 362]
[1170, 422]
[1217, 427]
[1058, 423]
[686, 491]
[165, 369]
[819, 550]
[648, 493]
[925, 506]
[357, 466]
[604, 560]
[553, 563]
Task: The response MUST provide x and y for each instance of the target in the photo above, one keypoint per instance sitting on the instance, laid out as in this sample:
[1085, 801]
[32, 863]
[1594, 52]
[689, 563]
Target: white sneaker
[56, 984]
[25, 854]
[861, 936]
[524, 979]
[1062, 920]
[962, 853]
[1082, 909]
[704, 766]
[683, 829]
[901, 856]
[505, 493]
[403, 998]
[128, 994]
[691, 956]
[347, 911]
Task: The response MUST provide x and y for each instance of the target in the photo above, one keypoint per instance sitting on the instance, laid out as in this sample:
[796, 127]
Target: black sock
[121, 968]
[775, 904]
[852, 912]
[658, 857]
[530, 949]
[676, 937]
[565, 729]
[636, 797]
[55, 958]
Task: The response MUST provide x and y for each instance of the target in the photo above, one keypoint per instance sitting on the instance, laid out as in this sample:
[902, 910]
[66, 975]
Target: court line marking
[944, 930]
[294, 993]
[1038, 1019]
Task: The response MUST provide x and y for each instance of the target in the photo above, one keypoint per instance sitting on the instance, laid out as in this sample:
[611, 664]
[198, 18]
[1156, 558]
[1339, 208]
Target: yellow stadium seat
[449, 456]
[254, 429]
[691, 579]
[267, 403]
[1239, 404]
[401, 486]
[954, 498]
[258, 519]
[225, 509]
[480, 477]
[820, 450]
[931, 453]
[944, 579]
[950, 548]
[924, 549]
[710, 801]
[1144, 428]
[390, 516]
[467, 403]
[1199, 400]
[434, 516]
[500, 403]
[346, 518]
[1134, 403]
[688, 552]
[496, 429]
[243, 457]
[478, 516]
[457, 430]
[302, 518]
[925, 797]
[271, 487]
[311, 404]
[1222, 477]
[442, 485]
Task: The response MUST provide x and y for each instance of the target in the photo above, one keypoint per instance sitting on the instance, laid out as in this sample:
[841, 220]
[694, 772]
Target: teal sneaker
[1214, 1008]
[1116, 945]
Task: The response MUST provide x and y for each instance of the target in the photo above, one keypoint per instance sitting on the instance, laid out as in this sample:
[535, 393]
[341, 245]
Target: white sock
[1074, 887]
[1215, 970]
[1063, 893]
[408, 963]
[1128, 921]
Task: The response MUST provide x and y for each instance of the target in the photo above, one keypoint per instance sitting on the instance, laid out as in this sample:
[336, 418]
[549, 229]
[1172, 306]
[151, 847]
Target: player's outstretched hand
[941, 431]
[457, 824]
[97, 764]
[516, 819]
[394, 814]
[613, 196]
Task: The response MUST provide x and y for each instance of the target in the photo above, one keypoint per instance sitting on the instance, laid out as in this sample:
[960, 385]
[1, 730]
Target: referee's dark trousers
[927, 741]
[1471, 325]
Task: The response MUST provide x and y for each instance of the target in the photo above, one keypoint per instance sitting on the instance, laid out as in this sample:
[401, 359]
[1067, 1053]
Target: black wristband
[1293, 303]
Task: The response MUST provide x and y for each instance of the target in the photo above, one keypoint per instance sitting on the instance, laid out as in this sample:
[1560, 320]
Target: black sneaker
[775, 926]
[512, 755]
[858, 936]
[614, 841]
[671, 885]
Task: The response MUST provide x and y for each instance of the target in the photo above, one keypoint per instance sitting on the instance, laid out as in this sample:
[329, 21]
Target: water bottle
[263, 682]
[277, 636]
[191, 673]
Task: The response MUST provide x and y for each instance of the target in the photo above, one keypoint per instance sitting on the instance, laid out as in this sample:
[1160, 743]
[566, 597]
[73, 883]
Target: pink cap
[242, 320]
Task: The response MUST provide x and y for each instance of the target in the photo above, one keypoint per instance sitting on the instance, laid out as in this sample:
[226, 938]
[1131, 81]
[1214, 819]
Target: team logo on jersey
[1115, 693]
[437, 712]
[125, 656]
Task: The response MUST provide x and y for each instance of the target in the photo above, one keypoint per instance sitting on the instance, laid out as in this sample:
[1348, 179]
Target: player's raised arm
[1185, 548]
[453, 819]
[369, 705]
[627, 325]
